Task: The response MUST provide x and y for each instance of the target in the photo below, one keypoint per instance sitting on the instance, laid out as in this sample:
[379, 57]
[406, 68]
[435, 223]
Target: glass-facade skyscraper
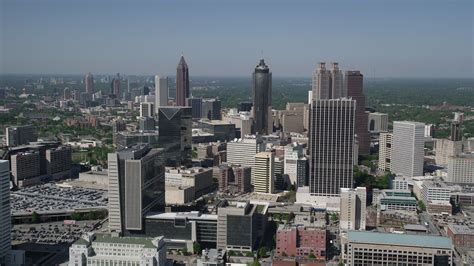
[262, 99]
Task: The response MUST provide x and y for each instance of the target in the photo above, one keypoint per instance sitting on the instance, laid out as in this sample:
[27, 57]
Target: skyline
[221, 40]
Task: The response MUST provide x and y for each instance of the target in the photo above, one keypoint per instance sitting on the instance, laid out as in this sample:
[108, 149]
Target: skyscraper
[331, 144]
[337, 82]
[136, 186]
[5, 215]
[175, 134]
[385, 152]
[89, 80]
[262, 99]
[146, 109]
[408, 148]
[354, 84]
[321, 83]
[161, 92]
[263, 172]
[353, 208]
[182, 82]
[115, 86]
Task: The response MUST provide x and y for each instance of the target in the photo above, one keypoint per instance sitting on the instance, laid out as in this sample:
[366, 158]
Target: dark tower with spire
[182, 82]
[262, 99]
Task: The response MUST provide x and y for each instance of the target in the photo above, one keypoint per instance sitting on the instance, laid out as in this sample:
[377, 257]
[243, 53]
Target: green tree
[197, 248]
[290, 217]
[283, 254]
[421, 205]
[231, 253]
[262, 252]
[248, 254]
[185, 251]
[255, 263]
[311, 255]
[76, 216]
[35, 218]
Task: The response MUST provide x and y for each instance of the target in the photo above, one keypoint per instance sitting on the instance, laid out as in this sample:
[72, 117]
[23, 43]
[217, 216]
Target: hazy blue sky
[404, 38]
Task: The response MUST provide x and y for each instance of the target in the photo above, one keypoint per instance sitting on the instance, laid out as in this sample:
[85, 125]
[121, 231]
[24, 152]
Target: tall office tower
[89, 81]
[354, 84]
[161, 92]
[353, 208]
[115, 86]
[408, 148]
[385, 152]
[5, 215]
[211, 109]
[196, 106]
[321, 83]
[136, 186]
[146, 109]
[242, 151]
[331, 144]
[175, 131]
[245, 106]
[337, 82]
[262, 99]
[182, 82]
[455, 131]
[21, 135]
[263, 173]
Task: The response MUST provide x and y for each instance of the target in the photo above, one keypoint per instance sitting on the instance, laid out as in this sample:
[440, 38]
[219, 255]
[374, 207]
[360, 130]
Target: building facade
[385, 152]
[331, 146]
[242, 151]
[262, 99]
[300, 242]
[263, 173]
[408, 148]
[182, 82]
[461, 169]
[21, 135]
[5, 214]
[353, 208]
[161, 92]
[378, 122]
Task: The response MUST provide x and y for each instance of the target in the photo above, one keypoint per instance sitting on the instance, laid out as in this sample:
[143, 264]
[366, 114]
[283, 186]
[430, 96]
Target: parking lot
[50, 197]
[50, 233]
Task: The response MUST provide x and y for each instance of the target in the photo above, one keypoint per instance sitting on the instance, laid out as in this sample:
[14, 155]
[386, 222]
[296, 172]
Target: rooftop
[425, 241]
[461, 229]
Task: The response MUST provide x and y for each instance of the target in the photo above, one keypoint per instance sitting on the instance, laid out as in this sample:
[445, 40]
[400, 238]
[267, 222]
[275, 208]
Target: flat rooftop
[174, 215]
[423, 241]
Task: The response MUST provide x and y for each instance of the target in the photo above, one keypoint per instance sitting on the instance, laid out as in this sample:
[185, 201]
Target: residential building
[461, 169]
[408, 148]
[20, 135]
[182, 82]
[175, 135]
[363, 248]
[263, 173]
[102, 249]
[331, 146]
[353, 208]
[136, 186]
[300, 242]
[262, 99]
[378, 122]
[161, 92]
[385, 152]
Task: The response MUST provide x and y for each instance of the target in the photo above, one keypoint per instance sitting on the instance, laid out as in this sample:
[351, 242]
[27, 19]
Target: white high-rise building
[161, 92]
[146, 109]
[353, 208]
[408, 148]
[461, 169]
[321, 83]
[385, 151]
[378, 122]
[263, 172]
[5, 215]
[242, 151]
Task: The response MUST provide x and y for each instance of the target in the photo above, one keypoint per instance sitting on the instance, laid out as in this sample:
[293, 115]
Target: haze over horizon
[434, 38]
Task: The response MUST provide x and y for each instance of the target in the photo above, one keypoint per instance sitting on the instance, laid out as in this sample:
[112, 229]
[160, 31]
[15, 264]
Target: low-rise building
[461, 169]
[374, 248]
[178, 195]
[103, 249]
[439, 207]
[212, 257]
[197, 177]
[462, 235]
[300, 242]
